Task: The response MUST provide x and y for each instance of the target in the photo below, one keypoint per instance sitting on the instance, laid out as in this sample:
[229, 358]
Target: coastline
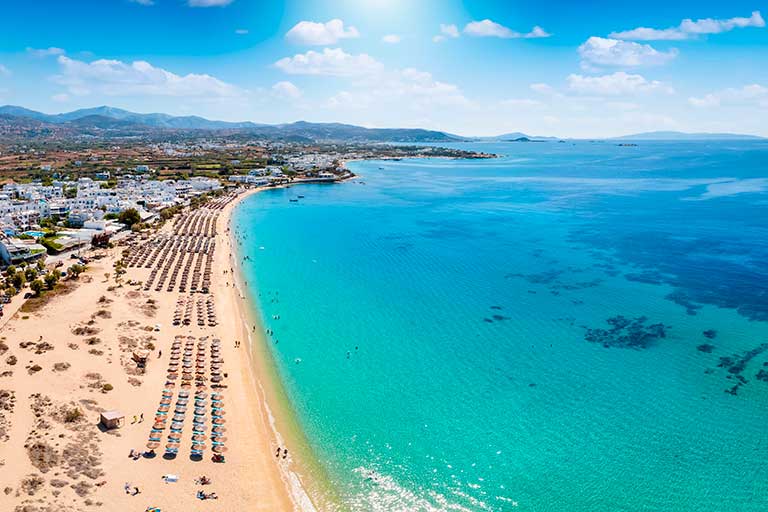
[271, 401]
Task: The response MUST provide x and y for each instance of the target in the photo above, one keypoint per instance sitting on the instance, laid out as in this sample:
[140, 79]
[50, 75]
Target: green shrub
[73, 415]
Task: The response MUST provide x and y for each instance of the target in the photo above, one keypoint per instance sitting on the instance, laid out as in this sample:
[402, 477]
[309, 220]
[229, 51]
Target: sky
[591, 68]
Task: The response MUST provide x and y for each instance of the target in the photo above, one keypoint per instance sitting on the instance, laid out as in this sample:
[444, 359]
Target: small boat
[301, 197]
[294, 200]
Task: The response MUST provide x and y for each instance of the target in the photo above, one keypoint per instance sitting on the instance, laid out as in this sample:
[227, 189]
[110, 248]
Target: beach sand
[51, 460]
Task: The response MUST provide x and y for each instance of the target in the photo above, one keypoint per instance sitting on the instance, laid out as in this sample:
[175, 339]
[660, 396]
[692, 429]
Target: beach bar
[112, 419]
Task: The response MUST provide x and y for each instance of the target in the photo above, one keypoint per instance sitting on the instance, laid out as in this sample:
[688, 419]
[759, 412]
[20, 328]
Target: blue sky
[482, 67]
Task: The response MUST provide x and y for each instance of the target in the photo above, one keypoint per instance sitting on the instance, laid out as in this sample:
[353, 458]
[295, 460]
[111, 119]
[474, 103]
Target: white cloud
[600, 51]
[143, 2]
[542, 88]
[446, 31]
[286, 90]
[489, 28]
[60, 98]
[312, 33]
[45, 52]
[400, 90]
[689, 28]
[749, 95]
[616, 84]
[117, 78]
[241, 31]
[4, 71]
[209, 3]
[391, 39]
[521, 102]
[706, 101]
[537, 32]
[331, 62]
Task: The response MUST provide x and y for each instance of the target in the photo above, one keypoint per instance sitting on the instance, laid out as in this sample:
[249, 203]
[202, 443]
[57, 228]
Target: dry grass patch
[34, 304]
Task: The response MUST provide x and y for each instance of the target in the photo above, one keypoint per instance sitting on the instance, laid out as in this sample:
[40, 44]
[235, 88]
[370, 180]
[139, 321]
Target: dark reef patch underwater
[575, 327]
[736, 364]
[627, 333]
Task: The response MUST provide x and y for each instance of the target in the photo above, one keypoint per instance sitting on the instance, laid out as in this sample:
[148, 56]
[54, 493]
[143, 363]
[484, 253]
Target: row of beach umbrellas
[190, 356]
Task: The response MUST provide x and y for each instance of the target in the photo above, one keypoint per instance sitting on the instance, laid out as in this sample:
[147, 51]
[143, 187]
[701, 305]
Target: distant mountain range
[687, 136]
[114, 122]
[109, 122]
[153, 120]
[515, 137]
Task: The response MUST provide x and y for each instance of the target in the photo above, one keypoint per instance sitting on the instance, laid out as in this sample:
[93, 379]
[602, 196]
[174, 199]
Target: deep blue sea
[570, 327]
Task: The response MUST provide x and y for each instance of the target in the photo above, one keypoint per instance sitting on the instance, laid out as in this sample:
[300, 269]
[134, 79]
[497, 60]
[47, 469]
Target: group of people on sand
[284, 451]
[138, 419]
[202, 495]
[137, 454]
[206, 496]
[130, 489]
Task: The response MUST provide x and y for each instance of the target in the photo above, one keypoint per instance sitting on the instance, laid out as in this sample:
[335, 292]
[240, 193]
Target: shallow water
[444, 335]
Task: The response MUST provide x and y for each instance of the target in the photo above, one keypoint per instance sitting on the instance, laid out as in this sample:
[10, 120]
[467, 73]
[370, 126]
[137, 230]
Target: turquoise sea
[570, 327]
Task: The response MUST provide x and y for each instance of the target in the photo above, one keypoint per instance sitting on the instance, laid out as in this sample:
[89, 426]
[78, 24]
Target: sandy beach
[67, 361]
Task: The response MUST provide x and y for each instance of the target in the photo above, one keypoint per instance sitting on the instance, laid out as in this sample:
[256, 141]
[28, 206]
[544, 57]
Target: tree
[75, 270]
[48, 222]
[37, 286]
[51, 279]
[119, 272]
[11, 291]
[18, 280]
[41, 264]
[129, 217]
[30, 273]
[10, 270]
[100, 240]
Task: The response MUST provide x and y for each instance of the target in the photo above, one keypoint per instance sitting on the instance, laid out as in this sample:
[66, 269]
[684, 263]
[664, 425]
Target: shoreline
[303, 473]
